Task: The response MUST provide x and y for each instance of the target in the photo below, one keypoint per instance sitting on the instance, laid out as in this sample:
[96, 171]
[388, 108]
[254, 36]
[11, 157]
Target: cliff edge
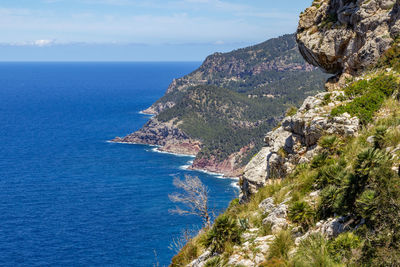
[347, 36]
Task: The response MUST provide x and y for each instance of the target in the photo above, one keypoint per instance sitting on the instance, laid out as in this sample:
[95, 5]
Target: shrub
[291, 111]
[281, 245]
[365, 204]
[214, 262]
[225, 229]
[319, 160]
[327, 99]
[328, 142]
[328, 200]
[368, 97]
[300, 212]
[379, 137]
[188, 253]
[313, 251]
[341, 247]
[330, 174]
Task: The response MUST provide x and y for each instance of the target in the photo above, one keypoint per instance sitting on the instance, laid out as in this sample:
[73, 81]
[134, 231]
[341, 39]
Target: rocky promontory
[220, 111]
[164, 134]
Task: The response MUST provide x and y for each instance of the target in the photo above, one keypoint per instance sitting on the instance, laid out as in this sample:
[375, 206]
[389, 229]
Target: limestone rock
[267, 205]
[347, 36]
[296, 141]
[277, 218]
[201, 260]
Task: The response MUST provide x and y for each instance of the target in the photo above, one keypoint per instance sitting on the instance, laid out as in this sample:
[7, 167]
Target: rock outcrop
[164, 134]
[296, 141]
[347, 36]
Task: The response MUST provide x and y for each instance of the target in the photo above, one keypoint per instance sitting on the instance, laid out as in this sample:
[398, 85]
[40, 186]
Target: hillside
[220, 111]
[325, 188]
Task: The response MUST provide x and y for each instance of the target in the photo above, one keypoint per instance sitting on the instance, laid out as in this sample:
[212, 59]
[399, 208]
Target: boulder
[347, 36]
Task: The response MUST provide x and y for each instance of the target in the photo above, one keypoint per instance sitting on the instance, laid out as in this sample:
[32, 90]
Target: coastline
[188, 166]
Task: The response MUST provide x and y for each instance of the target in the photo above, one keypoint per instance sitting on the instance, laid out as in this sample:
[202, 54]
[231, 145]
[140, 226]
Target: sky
[132, 30]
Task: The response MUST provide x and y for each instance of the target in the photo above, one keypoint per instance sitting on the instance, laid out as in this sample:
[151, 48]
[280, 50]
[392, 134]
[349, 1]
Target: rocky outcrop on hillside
[164, 134]
[347, 36]
[295, 141]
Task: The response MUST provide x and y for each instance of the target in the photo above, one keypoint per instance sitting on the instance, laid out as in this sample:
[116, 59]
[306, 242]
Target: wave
[156, 149]
[145, 114]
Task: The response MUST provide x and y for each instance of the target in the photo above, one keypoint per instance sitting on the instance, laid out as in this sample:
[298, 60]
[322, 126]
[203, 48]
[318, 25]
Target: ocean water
[69, 198]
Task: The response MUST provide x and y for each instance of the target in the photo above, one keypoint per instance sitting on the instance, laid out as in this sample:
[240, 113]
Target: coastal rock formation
[164, 134]
[223, 108]
[296, 141]
[347, 36]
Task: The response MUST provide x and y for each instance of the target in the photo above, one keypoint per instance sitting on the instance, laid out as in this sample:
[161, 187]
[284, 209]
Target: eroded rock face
[164, 134]
[347, 35]
[296, 141]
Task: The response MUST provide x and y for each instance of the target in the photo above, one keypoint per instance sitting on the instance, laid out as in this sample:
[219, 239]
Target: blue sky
[132, 30]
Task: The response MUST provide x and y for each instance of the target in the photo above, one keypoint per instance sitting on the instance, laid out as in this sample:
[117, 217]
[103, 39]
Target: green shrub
[341, 247]
[368, 97]
[244, 224]
[327, 205]
[300, 212]
[330, 174]
[327, 99]
[365, 204]
[225, 229]
[314, 251]
[214, 262]
[291, 111]
[187, 254]
[328, 142]
[319, 160]
[379, 137]
[281, 245]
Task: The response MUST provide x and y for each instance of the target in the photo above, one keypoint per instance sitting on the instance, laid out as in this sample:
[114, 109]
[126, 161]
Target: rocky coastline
[170, 139]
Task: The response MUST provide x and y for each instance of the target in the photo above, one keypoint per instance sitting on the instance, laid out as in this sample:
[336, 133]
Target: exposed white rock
[277, 218]
[201, 260]
[330, 228]
[295, 141]
[347, 36]
[267, 205]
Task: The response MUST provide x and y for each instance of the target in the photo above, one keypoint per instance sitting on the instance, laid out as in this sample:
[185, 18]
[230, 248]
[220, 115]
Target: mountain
[324, 190]
[220, 111]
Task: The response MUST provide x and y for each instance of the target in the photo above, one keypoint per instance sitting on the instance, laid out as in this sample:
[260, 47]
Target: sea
[67, 196]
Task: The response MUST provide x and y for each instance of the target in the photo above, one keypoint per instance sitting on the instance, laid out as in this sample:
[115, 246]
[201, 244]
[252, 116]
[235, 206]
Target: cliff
[220, 111]
[325, 188]
[347, 36]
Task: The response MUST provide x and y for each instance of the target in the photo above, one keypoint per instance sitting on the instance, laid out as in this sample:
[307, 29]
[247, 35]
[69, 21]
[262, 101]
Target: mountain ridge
[254, 85]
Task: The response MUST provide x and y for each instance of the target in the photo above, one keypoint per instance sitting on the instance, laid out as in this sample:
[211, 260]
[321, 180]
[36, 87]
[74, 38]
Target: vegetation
[225, 230]
[356, 177]
[367, 97]
[229, 108]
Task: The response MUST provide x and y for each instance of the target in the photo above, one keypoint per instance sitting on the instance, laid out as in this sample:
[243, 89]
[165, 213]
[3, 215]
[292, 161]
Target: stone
[342, 36]
[295, 142]
[201, 260]
[277, 218]
[267, 205]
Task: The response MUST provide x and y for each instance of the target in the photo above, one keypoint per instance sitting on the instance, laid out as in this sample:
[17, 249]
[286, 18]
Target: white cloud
[43, 42]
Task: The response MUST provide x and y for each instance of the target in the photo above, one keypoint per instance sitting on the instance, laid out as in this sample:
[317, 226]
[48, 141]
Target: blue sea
[67, 196]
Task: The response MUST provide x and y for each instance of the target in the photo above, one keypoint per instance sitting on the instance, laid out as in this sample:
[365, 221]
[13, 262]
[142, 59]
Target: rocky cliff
[220, 111]
[325, 188]
[347, 36]
[340, 36]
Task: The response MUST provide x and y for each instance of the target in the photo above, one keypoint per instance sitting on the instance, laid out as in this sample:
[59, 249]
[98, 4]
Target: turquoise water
[67, 197]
